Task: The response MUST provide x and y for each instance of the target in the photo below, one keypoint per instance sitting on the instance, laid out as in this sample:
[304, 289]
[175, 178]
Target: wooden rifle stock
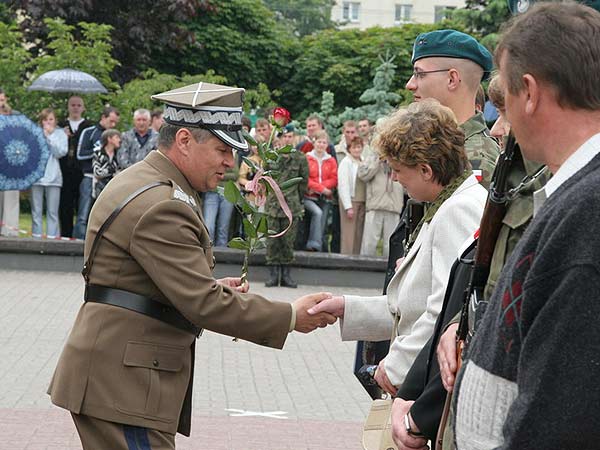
[489, 229]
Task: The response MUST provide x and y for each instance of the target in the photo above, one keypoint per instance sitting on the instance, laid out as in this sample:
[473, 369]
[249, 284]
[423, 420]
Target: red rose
[281, 116]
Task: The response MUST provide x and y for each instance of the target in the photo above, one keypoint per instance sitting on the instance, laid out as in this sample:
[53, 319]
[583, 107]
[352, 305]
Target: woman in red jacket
[322, 180]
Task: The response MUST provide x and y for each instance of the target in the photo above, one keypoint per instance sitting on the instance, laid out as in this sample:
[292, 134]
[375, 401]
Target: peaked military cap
[209, 106]
[452, 44]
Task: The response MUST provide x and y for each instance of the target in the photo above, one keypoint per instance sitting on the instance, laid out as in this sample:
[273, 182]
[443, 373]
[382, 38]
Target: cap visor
[233, 138]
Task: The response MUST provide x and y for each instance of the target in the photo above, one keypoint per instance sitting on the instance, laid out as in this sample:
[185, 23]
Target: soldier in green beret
[280, 251]
[449, 66]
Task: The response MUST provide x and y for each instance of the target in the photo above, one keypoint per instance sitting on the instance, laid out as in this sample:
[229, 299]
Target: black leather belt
[140, 304]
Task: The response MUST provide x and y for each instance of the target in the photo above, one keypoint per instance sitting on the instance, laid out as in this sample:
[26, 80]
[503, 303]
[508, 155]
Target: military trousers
[280, 250]
[96, 434]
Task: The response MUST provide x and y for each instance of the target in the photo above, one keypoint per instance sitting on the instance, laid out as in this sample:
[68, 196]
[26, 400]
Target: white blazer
[416, 292]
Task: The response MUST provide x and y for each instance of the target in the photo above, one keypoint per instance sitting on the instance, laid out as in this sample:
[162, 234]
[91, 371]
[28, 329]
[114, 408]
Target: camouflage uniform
[481, 148]
[281, 250]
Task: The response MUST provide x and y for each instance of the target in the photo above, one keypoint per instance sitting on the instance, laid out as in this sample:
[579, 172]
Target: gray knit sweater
[532, 375]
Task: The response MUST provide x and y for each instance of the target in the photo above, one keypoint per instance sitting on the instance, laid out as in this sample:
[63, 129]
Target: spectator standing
[280, 250]
[384, 202]
[49, 185]
[88, 141]
[350, 210]
[9, 200]
[72, 175]
[349, 132]
[156, 120]
[322, 180]
[137, 142]
[217, 210]
[105, 164]
[364, 130]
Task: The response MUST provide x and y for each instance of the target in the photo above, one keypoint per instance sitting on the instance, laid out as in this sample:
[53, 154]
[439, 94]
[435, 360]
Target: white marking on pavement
[243, 413]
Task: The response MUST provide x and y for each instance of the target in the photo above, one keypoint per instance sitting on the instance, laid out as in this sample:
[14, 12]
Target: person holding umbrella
[50, 184]
[9, 200]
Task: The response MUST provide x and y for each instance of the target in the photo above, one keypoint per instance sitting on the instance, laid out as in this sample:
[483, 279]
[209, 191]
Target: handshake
[317, 311]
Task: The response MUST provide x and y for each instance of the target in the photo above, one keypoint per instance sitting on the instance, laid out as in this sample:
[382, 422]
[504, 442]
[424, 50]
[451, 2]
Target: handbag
[377, 430]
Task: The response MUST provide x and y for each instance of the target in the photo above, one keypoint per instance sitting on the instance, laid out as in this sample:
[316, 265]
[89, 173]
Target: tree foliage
[15, 61]
[141, 28]
[242, 40]
[482, 17]
[344, 62]
[304, 16]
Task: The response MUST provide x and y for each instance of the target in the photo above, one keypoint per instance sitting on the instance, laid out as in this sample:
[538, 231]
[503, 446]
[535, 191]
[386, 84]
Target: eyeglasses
[418, 75]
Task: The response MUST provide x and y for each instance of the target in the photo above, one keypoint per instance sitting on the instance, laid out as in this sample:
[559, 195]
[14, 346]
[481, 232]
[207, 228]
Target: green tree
[482, 17]
[90, 53]
[304, 16]
[344, 62]
[15, 62]
[142, 29]
[241, 39]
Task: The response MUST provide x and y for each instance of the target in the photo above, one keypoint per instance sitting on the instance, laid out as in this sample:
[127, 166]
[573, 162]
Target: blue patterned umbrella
[23, 152]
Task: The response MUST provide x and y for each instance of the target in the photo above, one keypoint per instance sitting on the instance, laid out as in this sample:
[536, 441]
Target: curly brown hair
[424, 133]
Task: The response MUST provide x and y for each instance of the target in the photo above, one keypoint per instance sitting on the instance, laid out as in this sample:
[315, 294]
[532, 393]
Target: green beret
[452, 44]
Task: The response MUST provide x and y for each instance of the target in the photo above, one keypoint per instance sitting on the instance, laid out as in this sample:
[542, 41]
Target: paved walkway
[246, 397]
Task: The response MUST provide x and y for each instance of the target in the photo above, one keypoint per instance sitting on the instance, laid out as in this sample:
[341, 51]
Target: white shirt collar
[573, 164]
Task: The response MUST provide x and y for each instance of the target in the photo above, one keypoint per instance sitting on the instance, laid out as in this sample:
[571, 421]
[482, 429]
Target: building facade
[389, 13]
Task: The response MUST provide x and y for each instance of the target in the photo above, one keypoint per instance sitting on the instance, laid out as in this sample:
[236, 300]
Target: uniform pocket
[153, 373]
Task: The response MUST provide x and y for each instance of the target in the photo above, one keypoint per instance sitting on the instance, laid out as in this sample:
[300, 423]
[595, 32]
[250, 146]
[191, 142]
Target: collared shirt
[579, 159]
[142, 139]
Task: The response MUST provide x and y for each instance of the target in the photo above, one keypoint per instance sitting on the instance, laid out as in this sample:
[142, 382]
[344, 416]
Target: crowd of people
[508, 219]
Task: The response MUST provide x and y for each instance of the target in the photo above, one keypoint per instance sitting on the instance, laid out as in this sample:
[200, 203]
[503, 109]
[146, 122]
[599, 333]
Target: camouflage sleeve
[482, 151]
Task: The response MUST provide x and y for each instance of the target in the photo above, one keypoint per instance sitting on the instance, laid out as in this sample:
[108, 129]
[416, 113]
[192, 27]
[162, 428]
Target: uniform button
[155, 363]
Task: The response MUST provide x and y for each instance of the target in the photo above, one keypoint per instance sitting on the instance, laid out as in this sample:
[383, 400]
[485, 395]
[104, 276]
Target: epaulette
[178, 194]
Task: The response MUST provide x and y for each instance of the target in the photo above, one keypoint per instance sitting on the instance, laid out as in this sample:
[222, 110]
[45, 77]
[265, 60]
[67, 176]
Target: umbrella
[23, 152]
[68, 80]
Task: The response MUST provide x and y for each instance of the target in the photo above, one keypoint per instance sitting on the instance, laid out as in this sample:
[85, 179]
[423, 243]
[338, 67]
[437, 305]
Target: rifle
[489, 229]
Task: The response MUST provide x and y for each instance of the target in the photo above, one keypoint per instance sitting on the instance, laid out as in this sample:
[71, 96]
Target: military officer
[280, 251]
[126, 370]
[449, 66]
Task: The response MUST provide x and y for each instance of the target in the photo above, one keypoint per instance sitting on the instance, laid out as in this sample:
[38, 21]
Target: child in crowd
[50, 184]
[322, 180]
[104, 162]
[350, 211]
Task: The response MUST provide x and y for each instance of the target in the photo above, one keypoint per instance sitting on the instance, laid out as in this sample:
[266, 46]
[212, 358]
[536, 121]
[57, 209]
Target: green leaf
[263, 225]
[232, 193]
[249, 139]
[271, 155]
[290, 183]
[249, 229]
[239, 243]
[285, 150]
[259, 244]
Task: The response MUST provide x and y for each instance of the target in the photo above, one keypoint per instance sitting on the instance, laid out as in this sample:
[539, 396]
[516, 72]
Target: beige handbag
[377, 430]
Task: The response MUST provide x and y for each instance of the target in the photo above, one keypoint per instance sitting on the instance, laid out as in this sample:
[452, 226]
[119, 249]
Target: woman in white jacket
[424, 147]
[50, 184]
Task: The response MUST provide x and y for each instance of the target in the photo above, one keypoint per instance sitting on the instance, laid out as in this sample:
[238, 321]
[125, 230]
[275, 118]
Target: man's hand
[305, 322]
[327, 192]
[333, 305]
[235, 284]
[349, 213]
[446, 355]
[403, 440]
[382, 379]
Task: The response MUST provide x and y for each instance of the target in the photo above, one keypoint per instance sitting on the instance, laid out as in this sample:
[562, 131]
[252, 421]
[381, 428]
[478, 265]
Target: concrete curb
[312, 268]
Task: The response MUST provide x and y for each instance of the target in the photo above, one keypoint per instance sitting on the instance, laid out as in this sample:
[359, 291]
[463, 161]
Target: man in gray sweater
[530, 380]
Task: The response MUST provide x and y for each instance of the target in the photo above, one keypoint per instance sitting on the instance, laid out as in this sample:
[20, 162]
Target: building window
[403, 14]
[441, 12]
[350, 11]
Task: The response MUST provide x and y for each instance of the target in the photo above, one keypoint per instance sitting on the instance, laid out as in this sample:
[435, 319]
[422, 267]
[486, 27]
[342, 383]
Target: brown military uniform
[125, 367]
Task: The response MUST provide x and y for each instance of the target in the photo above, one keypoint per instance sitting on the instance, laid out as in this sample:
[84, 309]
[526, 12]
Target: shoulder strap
[87, 266]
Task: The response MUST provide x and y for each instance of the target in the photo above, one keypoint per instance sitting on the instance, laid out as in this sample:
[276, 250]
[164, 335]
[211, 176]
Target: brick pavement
[310, 381]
